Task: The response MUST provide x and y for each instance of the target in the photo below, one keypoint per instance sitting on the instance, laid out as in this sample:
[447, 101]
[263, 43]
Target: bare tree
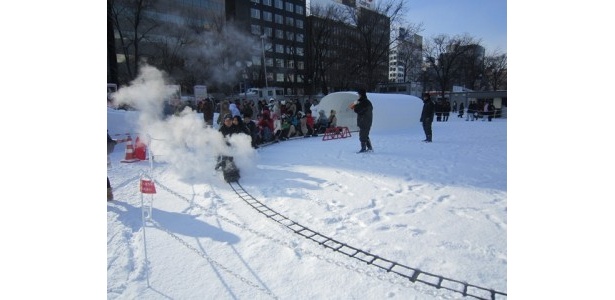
[133, 27]
[410, 51]
[323, 44]
[496, 70]
[112, 74]
[444, 55]
[373, 39]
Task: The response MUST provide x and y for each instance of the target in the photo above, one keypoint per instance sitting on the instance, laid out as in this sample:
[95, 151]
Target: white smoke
[180, 140]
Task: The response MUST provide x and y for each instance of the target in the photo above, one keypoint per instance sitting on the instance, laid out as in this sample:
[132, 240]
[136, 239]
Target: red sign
[147, 187]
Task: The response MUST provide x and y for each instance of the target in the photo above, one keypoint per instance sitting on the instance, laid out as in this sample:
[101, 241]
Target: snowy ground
[438, 207]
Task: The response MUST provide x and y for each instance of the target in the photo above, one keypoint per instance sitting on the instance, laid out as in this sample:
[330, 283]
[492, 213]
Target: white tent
[404, 113]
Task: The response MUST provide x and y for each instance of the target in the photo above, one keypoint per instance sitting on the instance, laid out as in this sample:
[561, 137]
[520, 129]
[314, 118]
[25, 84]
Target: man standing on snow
[427, 117]
[363, 108]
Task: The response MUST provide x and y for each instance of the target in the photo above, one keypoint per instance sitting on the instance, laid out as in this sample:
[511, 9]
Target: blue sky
[482, 19]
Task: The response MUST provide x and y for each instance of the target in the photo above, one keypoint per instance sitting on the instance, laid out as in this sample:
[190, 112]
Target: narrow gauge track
[412, 274]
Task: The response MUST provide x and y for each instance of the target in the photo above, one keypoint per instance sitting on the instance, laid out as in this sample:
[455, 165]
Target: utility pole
[264, 59]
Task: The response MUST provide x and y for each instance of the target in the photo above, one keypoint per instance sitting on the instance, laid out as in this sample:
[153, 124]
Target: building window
[279, 77]
[267, 2]
[279, 48]
[256, 60]
[300, 65]
[289, 7]
[267, 16]
[279, 19]
[279, 63]
[299, 10]
[300, 37]
[268, 31]
[269, 62]
[290, 35]
[279, 33]
[255, 13]
[290, 64]
[299, 51]
[255, 1]
[300, 24]
[290, 21]
[256, 29]
[279, 4]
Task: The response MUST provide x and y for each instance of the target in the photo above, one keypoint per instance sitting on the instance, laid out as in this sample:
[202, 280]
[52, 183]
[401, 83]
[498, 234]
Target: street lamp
[263, 37]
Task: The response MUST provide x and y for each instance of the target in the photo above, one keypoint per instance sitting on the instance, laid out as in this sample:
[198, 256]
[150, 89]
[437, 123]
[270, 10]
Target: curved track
[412, 274]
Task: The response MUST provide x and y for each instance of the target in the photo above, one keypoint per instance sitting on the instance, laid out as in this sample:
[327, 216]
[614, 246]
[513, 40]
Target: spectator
[224, 110]
[308, 122]
[490, 111]
[288, 129]
[253, 129]
[306, 105]
[295, 121]
[239, 126]
[265, 127]
[234, 109]
[460, 115]
[277, 127]
[446, 110]
[332, 119]
[321, 123]
[314, 108]
[208, 112]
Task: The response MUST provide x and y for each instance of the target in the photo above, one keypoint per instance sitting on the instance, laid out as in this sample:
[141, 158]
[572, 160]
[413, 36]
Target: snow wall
[120, 122]
[391, 111]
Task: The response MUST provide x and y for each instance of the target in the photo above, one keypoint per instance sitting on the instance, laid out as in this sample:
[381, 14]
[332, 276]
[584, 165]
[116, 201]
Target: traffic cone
[129, 157]
[140, 150]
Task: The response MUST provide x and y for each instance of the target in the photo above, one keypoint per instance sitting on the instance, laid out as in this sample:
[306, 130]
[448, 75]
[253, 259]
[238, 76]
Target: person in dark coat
[227, 127]
[208, 112]
[461, 108]
[225, 162]
[363, 108]
[427, 117]
[110, 146]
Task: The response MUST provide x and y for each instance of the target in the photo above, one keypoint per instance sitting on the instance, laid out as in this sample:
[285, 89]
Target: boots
[369, 145]
[427, 139]
[109, 194]
[362, 148]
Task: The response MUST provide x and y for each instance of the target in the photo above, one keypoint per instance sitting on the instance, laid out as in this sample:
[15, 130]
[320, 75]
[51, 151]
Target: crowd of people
[278, 120]
[479, 111]
[268, 121]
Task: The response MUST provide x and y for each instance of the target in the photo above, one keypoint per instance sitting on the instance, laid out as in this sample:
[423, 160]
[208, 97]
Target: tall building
[347, 55]
[141, 30]
[405, 59]
[280, 25]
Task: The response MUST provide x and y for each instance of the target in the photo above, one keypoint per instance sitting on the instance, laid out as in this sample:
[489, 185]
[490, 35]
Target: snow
[437, 207]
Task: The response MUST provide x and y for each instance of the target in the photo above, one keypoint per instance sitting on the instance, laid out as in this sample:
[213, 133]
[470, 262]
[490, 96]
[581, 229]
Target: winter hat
[362, 92]
[228, 116]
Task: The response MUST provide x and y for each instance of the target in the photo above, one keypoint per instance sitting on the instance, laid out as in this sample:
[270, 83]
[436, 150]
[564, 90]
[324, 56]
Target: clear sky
[482, 19]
